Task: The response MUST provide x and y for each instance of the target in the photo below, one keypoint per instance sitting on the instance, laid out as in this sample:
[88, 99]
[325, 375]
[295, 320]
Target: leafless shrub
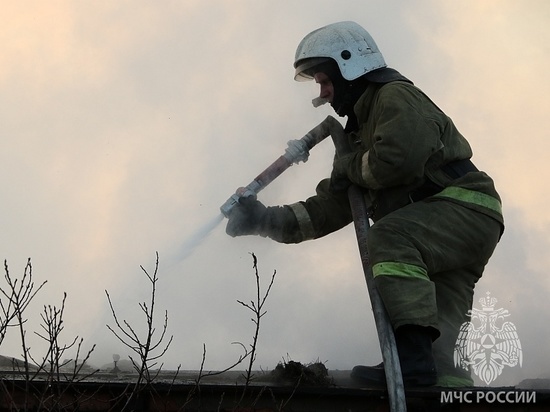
[55, 367]
[18, 295]
[149, 348]
[53, 363]
[15, 298]
[256, 306]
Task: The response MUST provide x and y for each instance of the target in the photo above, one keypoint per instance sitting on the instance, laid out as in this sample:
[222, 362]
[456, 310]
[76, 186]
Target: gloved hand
[347, 169]
[246, 218]
[339, 180]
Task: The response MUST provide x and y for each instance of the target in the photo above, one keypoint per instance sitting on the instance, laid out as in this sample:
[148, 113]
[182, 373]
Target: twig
[257, 309]
[143, 347]
[19, 295]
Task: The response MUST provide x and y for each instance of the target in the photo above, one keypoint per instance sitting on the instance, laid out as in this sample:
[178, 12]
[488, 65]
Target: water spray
[296, 152]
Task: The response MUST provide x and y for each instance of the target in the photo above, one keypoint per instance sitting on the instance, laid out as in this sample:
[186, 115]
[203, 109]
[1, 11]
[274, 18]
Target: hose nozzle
[234, 199]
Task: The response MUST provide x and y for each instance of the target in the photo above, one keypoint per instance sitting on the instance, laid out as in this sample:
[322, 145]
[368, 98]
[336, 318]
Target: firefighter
[436, 217]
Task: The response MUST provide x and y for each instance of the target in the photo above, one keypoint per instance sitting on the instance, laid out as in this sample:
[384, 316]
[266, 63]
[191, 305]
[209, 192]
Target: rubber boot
[414, 347]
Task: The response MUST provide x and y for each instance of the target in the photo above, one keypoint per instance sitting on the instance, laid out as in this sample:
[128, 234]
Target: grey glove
[339, 180]
[251, 217]
[246, 218]
[346, 170]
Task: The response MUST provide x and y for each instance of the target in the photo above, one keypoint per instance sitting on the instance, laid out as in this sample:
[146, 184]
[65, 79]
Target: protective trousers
[426, 259]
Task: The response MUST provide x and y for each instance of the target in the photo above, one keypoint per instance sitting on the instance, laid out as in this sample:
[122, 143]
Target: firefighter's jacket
[400, 148]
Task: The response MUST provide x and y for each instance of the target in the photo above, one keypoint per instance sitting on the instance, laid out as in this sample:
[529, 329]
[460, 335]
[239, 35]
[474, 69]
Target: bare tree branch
[143, 347]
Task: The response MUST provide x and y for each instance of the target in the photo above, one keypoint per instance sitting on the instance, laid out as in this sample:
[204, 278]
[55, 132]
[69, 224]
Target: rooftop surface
[266, 391]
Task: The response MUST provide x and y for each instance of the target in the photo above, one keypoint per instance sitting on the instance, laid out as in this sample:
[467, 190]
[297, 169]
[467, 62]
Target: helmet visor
[306, 68]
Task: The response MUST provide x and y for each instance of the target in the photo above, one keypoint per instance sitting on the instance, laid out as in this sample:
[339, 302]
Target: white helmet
[347, 43]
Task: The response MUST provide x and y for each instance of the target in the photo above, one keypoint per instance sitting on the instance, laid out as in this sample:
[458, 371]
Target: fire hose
[297, 151]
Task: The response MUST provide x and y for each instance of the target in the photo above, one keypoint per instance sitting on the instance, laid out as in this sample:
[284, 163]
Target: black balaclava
[346, 92]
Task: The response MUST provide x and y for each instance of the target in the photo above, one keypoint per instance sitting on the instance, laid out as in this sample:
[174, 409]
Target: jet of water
[190, 244]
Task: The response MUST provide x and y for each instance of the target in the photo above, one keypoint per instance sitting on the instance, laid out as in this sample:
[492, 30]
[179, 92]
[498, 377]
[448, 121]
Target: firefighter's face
[325, 85]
